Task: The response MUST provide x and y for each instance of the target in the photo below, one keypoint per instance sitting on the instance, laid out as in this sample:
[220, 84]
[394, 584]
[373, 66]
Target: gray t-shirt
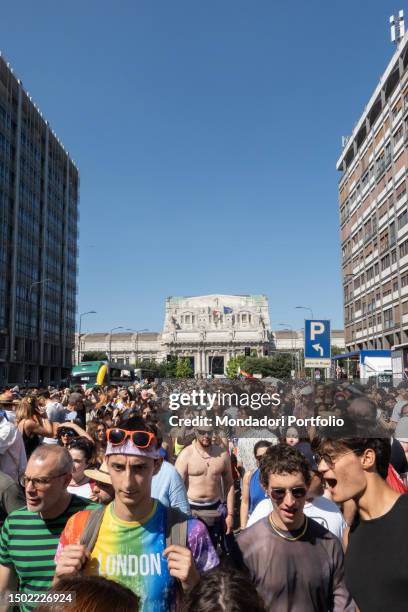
[306, 575]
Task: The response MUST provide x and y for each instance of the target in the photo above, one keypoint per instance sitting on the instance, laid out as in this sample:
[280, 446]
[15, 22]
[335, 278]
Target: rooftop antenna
[397, 27]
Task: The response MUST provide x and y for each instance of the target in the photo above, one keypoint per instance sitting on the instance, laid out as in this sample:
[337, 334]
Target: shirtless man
[206, 471]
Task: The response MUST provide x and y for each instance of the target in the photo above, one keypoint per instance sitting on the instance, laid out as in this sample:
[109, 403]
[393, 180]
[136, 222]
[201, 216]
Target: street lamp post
[110, 340]
[294, 360]
[79, 331]
[28, 313]
[311, 313]
[137, 332]
[306, 308]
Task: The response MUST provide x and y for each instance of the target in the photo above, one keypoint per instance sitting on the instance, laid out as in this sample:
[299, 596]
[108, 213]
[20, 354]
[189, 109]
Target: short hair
[111, 387]
[222, 590]
[380, 446]
[82, 444]
[92, 594]
[283, 459]
[61, 457]
[262, 444]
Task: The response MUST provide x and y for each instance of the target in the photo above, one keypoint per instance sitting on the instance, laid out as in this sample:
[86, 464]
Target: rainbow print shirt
[132, 553]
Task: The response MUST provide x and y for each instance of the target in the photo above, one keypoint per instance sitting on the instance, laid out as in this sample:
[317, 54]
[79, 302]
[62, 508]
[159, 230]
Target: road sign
[317, 343]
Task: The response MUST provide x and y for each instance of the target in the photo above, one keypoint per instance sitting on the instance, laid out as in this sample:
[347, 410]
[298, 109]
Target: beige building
[374, 215]
[208, 330]
[211, 329]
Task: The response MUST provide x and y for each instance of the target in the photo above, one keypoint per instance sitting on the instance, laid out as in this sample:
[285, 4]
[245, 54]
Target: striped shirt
[29, 543]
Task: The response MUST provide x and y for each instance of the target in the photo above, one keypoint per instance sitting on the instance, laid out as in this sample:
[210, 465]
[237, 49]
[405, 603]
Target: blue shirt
[168, 487]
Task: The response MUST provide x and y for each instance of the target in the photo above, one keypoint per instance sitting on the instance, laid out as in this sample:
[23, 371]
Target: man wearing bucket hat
[103, 491]
[135, 540]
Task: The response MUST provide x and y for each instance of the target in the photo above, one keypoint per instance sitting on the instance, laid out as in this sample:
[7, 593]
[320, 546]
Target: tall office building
[374, 215]
[38, 241]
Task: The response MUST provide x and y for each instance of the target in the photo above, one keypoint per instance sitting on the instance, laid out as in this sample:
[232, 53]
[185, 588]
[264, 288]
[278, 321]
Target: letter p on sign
[316, 329]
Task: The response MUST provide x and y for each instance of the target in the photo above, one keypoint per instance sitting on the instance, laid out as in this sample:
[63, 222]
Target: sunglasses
[67, 432]
[204, 432]
[140, 439]
[331, 460]
[278, 494]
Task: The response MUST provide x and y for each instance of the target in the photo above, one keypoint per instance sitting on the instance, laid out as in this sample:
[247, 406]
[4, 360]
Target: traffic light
[247, 351]
[168, 358]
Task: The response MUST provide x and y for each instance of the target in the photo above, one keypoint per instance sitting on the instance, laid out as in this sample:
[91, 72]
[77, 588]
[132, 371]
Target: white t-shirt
[322, 510]
[84, 490]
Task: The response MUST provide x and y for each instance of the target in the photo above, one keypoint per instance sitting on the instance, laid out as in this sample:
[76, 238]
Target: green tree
[184, 369]
[258, 365]
[336, 350]
[94, 356]
[281, 366]
[233, 364]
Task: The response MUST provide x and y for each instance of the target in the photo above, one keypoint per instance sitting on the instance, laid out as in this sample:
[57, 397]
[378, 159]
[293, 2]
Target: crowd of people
[105, 505]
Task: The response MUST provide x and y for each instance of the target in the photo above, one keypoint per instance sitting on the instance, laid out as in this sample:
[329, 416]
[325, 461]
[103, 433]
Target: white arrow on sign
[319, 348]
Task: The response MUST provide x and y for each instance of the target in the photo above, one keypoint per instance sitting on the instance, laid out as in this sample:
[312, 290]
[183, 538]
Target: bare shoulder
[185, 453]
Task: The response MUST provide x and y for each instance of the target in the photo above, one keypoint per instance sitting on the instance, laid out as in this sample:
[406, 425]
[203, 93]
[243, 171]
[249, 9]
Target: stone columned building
[210, 329]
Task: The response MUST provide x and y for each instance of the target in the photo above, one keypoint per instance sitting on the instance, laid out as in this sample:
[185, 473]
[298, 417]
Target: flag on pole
[227, 310]
[245, 374]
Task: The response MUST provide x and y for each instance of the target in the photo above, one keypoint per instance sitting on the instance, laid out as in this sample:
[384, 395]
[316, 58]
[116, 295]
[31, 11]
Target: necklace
[285, 537]
[203, 457]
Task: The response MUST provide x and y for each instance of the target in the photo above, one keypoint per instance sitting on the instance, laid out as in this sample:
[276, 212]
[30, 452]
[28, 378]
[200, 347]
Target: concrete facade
[374, 215]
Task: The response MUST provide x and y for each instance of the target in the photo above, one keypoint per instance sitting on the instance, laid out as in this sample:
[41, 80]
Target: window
[404, 280]
[403, 248]
[403, 219]
[400, 191]
[385, 262]
[376, 269]
[388, 321]
[398, 135]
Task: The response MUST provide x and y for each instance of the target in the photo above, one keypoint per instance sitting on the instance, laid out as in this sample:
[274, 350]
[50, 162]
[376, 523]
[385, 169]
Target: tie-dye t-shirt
[132, 553]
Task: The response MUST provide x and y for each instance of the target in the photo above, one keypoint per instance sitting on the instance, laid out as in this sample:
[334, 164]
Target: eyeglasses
[39, 483]
[141, 439]
[278, 494]
[331, 460]
[204, 432]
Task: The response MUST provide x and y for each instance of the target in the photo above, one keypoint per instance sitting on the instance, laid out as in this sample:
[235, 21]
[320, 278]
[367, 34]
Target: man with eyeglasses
[376, 571]
[30, 536]
[295, 563]
[130, 541]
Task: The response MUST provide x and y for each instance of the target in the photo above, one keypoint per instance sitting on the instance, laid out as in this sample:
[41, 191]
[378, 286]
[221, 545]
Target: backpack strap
[91, 530]
[176, 527]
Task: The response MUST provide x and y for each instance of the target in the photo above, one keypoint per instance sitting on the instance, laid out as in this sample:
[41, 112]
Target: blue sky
[207, 135]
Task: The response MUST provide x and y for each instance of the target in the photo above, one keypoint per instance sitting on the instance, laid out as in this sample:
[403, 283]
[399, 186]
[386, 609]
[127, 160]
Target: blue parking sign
[317, 339]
